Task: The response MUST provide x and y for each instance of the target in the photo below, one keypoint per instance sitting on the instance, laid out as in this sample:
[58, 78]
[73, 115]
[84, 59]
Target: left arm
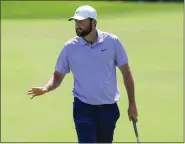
[128, 82]
[129, 85]
[121, 60]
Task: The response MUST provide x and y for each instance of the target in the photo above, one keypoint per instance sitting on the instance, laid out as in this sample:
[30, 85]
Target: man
[92, 57]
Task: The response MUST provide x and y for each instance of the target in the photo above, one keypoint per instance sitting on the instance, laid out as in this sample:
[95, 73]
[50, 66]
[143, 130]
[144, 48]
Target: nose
[78, 25]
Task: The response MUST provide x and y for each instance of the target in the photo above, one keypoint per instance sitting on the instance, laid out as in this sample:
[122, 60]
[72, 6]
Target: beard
[85, 32]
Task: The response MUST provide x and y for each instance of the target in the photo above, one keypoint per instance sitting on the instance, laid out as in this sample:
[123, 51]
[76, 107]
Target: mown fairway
[154, 42]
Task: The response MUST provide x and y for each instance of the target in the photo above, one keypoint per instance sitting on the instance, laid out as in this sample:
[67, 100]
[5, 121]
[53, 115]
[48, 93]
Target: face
[83, 27]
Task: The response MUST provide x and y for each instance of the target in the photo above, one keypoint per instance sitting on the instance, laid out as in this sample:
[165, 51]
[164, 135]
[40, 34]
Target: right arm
[61, 69]
[54, 82]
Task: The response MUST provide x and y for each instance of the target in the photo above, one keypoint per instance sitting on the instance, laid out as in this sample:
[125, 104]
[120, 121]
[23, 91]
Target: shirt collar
[99, 38]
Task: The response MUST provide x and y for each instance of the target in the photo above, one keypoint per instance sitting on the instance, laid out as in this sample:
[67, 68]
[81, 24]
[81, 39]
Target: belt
[98, 106]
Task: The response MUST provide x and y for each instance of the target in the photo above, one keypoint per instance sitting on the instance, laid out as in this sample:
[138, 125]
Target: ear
[94, 22]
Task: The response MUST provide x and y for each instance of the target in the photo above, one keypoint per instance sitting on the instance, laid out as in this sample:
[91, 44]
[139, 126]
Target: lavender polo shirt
[93, 67]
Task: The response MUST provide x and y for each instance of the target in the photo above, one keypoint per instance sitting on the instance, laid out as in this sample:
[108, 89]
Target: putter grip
[133, 120]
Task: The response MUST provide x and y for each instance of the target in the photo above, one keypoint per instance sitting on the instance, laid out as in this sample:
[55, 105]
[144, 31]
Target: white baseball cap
[84, 12]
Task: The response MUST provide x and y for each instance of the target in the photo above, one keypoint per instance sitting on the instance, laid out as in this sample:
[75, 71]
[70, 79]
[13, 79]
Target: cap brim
[76, 18]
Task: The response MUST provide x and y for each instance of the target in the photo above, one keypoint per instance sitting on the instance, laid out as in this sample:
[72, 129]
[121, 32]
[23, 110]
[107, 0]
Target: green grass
[154, 42]
[58, 9]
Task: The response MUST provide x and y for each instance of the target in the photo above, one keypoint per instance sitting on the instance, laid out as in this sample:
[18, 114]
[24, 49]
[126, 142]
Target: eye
[82, 22]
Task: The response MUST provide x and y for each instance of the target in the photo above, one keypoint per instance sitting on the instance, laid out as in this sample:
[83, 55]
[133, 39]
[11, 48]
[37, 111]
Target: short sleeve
[62, 64]
[121, 57]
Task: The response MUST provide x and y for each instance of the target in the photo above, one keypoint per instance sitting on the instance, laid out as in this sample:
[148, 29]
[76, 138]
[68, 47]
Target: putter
[135, 129]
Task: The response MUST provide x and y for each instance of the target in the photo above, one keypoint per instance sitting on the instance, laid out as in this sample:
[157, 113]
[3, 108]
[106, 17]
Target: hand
[132, 111]
[37, 91]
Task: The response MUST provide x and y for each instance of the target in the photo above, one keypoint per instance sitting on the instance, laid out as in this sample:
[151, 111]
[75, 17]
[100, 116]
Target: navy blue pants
[95, 124]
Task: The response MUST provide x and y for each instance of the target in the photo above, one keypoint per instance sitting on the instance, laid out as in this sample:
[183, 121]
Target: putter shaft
[135, 129]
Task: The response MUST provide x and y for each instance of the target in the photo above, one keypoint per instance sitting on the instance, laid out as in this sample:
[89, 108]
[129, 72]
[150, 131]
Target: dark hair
[91, 19]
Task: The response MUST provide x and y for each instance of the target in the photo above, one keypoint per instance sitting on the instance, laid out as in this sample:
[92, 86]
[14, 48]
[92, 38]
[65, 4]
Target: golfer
[92, 57]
